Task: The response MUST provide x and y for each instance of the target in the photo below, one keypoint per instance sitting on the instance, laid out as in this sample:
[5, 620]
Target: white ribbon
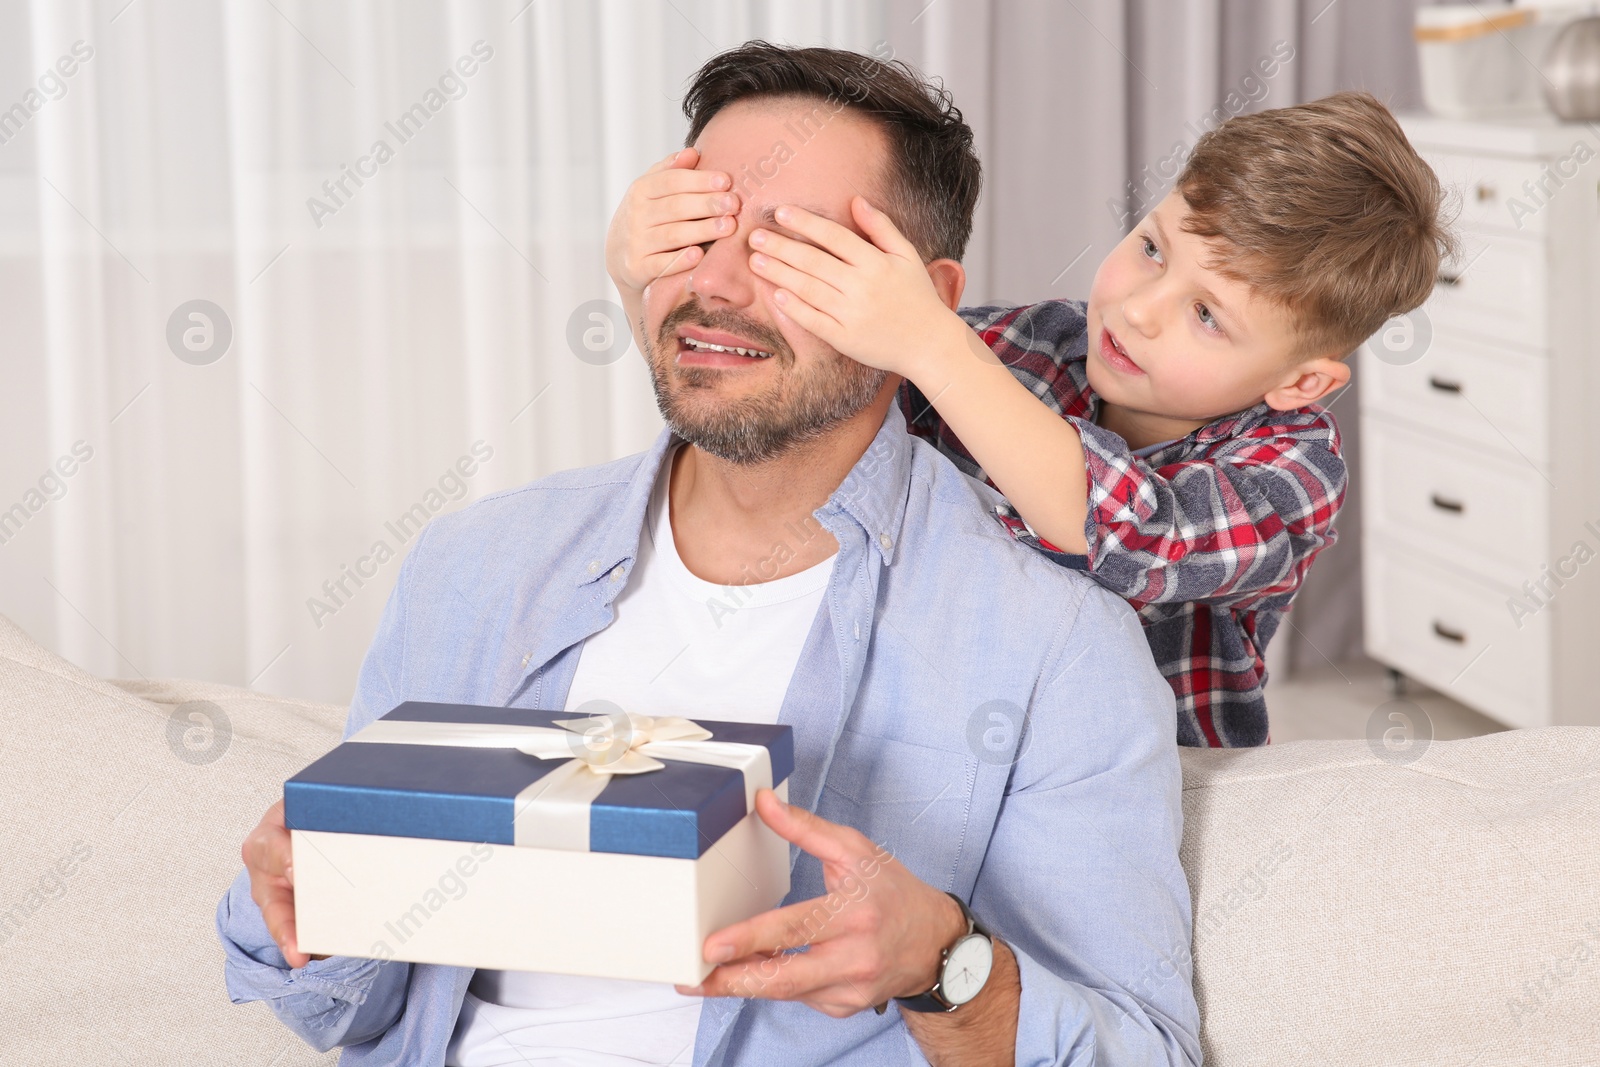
[553, 812]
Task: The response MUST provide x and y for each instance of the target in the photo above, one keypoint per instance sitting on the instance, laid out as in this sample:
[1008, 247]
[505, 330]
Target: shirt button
[885, 541]
[594, 566]
[526, 658]
[616, 573]
[858, 631]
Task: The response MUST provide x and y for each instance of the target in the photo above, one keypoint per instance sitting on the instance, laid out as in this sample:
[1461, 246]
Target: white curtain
[401, 317]
[376, 340]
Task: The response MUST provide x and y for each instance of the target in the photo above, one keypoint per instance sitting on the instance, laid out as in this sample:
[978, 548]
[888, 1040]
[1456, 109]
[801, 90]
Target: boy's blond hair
[1324, 209]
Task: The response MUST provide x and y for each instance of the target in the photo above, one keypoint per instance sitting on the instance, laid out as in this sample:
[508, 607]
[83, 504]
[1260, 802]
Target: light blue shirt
[936, 632]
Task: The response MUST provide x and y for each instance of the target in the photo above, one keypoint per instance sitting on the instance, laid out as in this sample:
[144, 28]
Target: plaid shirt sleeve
[1238, 524]
[1231, 515]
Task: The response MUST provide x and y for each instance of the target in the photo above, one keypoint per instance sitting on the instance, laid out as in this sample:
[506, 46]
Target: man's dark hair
[933, 175]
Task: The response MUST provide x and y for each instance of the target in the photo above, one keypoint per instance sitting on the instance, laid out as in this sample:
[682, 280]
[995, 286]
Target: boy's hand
[874, 302]
[663, 219]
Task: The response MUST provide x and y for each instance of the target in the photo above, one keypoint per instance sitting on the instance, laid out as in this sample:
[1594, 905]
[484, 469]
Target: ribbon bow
[553, 812]
[623, 744]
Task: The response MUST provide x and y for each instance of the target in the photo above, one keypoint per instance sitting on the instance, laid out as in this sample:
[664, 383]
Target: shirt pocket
[911, 799]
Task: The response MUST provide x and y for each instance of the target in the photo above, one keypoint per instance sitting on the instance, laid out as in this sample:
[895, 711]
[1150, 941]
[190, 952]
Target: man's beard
[800, 407]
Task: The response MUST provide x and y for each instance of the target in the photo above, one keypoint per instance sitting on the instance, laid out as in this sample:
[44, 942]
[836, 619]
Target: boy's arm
[1240, 524]
[1034, 456]
[876, 301]
[1235, 527]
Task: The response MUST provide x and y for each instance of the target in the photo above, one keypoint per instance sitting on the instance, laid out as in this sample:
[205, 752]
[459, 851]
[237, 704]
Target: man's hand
[877, 934]
[664, 218]
[873, 301]
[268, 858]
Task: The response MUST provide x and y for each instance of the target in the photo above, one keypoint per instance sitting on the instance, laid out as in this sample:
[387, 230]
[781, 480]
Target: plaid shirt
[1208, 537]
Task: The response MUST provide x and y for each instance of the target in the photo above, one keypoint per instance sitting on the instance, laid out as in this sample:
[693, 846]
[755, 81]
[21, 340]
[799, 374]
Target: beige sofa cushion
[1353, 911]
[1348, 911]
[118, 963]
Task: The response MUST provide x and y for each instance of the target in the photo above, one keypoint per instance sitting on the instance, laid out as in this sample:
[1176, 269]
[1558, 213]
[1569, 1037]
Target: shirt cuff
[1060, 1021]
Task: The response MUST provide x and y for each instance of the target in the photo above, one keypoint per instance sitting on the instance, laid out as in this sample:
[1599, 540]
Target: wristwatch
[963, 969]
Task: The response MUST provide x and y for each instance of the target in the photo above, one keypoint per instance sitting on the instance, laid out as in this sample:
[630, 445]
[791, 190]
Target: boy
[1164, 435]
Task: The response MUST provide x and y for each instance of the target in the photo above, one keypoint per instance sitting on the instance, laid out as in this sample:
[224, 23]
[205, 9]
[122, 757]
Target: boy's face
[1170, 337]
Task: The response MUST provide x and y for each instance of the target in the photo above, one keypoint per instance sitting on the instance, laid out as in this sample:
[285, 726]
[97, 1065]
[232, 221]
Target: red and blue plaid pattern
[1208, 538]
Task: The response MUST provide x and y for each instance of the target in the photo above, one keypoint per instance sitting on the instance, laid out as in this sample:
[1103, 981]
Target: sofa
[1349, 909]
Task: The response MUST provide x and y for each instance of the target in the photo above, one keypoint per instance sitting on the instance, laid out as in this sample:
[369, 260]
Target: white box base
[502, 907]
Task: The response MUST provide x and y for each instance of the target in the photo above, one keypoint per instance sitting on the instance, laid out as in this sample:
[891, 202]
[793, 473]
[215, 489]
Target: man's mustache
[694, 313]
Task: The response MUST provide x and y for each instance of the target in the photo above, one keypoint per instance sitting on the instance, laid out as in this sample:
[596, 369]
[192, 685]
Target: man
[870, 600]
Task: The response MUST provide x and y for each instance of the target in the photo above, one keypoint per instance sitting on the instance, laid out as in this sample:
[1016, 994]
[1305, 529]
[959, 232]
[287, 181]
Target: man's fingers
[275, 897]
[808, 922]
[277, 912]
[803, 923]
[269, 860]
[822, 978]
[881, 228]
[829, 842]
[266, 850]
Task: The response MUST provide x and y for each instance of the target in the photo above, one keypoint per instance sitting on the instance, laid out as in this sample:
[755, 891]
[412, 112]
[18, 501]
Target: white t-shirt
[678, 646]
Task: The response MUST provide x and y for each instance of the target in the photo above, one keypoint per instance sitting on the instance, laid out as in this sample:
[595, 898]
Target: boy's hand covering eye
[664, 218]
[871, 300]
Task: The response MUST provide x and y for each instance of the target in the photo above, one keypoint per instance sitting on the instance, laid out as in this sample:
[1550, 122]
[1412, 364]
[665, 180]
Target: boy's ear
[949, 278]
[1308, 382]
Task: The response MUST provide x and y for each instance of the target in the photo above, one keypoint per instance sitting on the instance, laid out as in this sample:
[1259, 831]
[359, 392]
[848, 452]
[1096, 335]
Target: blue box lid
[468, 794]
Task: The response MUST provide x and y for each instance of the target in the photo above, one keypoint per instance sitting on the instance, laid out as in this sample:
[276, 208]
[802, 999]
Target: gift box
[512, 839]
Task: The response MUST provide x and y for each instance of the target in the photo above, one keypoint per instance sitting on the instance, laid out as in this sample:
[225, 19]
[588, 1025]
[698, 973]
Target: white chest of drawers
[1480, 431]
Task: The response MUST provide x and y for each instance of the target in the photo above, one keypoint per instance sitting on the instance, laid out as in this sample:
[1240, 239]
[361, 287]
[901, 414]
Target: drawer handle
[1485, 192]
[1448, 634]
[1455, 507]
[1444, 386]
[1451, 280]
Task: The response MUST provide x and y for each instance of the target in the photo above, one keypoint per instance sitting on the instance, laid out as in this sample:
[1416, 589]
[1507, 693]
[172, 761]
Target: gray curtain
[1080, 108]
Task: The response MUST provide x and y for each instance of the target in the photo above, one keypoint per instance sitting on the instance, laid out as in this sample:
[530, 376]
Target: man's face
[747, 408]
[1169, 335]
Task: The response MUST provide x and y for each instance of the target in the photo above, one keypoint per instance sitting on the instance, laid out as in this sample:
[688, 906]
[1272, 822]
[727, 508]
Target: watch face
[966, 969]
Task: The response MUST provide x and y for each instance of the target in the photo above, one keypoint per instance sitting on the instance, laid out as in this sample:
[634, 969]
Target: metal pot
[1572, 71]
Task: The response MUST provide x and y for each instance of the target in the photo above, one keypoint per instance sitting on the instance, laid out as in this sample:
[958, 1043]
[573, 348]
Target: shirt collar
[873, 494]
[1236, 424]
[618, 544]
